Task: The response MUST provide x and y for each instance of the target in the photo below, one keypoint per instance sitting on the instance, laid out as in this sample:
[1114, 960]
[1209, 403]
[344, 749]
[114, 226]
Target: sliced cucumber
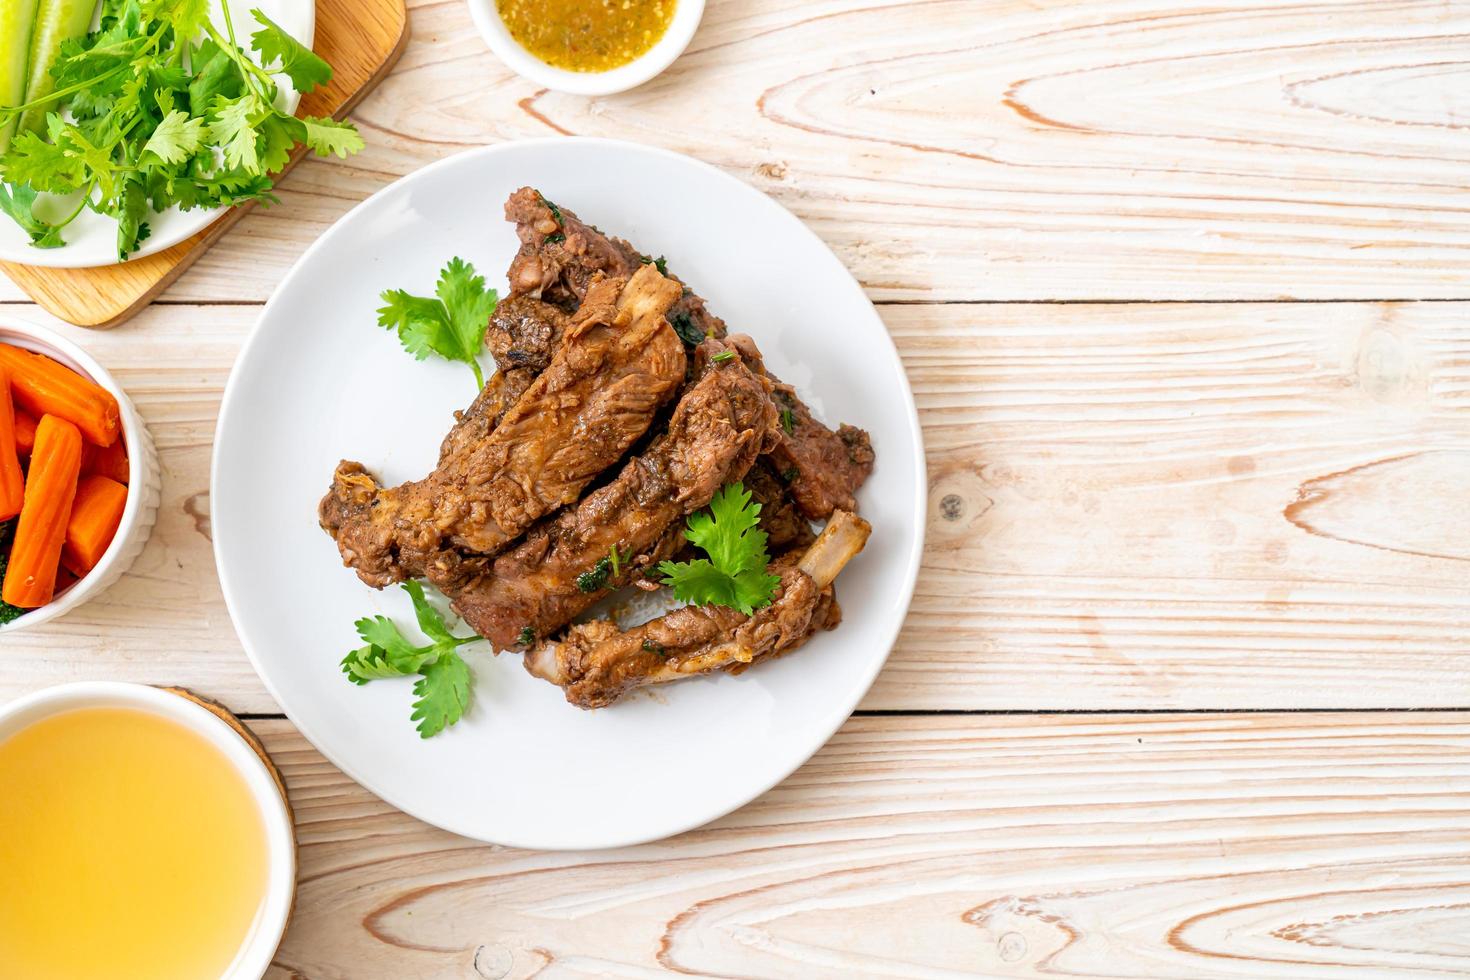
[57, 21]
[17, 17]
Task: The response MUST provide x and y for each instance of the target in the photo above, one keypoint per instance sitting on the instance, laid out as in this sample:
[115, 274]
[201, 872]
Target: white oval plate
[91, 240]
[319, 381]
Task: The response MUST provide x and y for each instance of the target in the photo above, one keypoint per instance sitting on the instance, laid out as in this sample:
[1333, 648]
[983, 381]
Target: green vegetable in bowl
[17, 19]
[158, 108]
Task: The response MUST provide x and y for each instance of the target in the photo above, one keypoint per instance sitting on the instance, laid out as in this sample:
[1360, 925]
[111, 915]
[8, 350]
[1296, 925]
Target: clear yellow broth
[587, 35]
[129, 848]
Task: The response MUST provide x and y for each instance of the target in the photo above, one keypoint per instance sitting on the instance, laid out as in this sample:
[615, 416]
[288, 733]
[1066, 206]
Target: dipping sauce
[586, 35]
[129, 848]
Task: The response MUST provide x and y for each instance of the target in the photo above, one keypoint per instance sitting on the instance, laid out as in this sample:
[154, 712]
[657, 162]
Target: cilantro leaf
[132, 205]
[216, 75]
[735, 573]
[328, 136]
[451, 324]
[429, 620]
[305, 69]
[443, 693]
[443, 685]
[186, 17]
[279, 135]
[232, 126]
[16, 202]
[177, 137]
[368, 663]
[40, 165]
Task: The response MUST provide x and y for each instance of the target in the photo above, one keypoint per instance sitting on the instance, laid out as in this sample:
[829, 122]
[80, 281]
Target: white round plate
[319, 381]
[91, 240]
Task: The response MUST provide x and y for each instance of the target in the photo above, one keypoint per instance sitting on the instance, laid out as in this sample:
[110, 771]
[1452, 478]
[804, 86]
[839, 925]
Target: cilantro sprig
[734, 574]
[451, 323]
[444, 680]
[129, 128]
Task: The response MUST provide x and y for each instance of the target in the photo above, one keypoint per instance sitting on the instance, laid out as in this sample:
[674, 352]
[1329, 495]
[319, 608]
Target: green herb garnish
[595, 577]
[141, 131]
[683, 325]
[735, 573]
[527, 637]
[658, 263]
[651, 647]
[451, 323]
[609, 567]
[788, 421]
[723, 356]
[443, 685]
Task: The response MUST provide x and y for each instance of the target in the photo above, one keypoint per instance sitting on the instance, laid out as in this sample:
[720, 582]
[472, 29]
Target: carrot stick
[109, 461]
[12, 483]
[43, 387]
[30, 580]
[25, 431]
[95, 515]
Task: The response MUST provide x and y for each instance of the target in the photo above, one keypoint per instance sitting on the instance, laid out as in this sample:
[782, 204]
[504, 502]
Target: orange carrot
[95, 514]
[12, 483]
[109, 461]
[43, 387]
[25, 431]
[51, 484]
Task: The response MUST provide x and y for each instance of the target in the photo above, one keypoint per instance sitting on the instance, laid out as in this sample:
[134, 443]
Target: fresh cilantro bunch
[735, 573]
[451, 323]
[162, 109]
[443, 685]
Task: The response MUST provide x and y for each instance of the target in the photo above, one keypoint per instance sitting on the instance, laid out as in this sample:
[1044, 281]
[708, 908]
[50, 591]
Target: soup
[130, 847]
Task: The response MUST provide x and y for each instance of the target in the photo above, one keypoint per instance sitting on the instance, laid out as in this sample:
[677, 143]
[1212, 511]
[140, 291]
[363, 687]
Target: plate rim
[835, 716]
[55, 258]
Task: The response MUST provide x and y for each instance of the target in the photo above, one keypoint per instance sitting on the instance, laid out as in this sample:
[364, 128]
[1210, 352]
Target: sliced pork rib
[619, 362]
[596, 663]
[721, 423]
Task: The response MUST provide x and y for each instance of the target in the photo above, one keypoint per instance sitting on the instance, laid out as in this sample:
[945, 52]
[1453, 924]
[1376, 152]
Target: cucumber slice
[57, 21]
[17, 17]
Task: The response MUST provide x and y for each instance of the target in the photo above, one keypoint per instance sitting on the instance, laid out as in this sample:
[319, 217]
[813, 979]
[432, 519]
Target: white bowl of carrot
[79, 479]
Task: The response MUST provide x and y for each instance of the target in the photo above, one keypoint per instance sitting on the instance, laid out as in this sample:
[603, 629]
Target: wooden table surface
[1184, 296]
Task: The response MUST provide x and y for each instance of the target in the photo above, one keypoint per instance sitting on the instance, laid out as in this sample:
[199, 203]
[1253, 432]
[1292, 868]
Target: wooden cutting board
[360, 39]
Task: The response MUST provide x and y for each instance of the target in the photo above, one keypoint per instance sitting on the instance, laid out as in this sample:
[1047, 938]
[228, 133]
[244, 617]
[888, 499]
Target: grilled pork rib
[598, 395]
[722, 422]
[596, 663]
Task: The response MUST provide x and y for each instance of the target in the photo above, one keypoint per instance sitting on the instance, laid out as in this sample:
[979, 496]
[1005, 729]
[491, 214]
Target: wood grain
[360, 40]
[1273, 845]
[999, 149]
[1131, 506]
